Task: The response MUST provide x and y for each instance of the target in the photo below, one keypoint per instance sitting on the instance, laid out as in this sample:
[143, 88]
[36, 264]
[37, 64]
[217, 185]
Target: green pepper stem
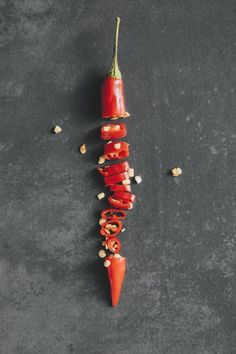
[114, 69]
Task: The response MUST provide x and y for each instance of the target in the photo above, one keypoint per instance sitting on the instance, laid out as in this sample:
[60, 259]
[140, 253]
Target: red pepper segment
[116, 150]
[113, 244]
[124, 196]
[113, 131]
[116, 273]
[114, 169]
[114, 179]
[113, 101]
[113, 214]
[120, 187]
[119, 203]
[111, 228]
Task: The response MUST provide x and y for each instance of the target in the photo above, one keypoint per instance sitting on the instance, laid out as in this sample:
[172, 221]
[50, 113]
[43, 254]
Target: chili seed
[117, 146]
[131, 172]
[57, 129]
[117, 255]
[107, 263]
[102, 254]
[175, 172]
[101, 159]
[138, 179]
[126, 181]
[101, 195]
[82, 149]
[123, 229]
[101, 221]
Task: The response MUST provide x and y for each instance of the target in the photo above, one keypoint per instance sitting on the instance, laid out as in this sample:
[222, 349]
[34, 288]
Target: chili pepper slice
[113, 100]
[113, 214]
[113, 131]
[120, 187]
[116, 273]
[113, 244]
[111, 228]
[114, 169]
[124, 196]
[110, 180]
[116, 150]
[119, 203]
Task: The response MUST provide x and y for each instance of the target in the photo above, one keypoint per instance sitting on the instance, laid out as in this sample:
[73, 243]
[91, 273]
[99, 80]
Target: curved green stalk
[114, 69]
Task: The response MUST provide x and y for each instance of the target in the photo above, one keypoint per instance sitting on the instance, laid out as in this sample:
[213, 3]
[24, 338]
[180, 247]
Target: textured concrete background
[178, 60]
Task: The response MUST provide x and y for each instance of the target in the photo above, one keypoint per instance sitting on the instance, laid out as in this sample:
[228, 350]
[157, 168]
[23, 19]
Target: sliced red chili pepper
[113, 214]
[113, 244]
[114, 169]
[111, 228]
[110, 180]
[119, 203]
[113, 131]
[124, 196]
[120, 187]
[116, 150]
[116, 273]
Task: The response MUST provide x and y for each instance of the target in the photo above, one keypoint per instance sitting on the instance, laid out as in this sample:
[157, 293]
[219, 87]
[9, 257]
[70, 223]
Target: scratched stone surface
[178, 60]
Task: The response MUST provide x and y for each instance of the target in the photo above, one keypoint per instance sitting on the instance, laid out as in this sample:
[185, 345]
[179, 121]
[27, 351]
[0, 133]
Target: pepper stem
[114, 69]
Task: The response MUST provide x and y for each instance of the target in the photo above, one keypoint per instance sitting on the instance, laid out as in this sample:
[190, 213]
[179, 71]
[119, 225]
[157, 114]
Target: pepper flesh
[113, 244]
[113, 131]
[119, 177]
[113, 214]
[114, 169]
[124, 196]
[119, 203]
[116, 151]
[116, 273]
[111, 232]
[120, 187]
[113, 100]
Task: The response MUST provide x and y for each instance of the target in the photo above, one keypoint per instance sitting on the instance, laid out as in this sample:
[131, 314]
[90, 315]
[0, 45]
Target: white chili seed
[117, 255]
[101, 195]
[138, 179]
[175, 172]
[102, 254]
[123, 229]
[101, 221]
[131, 172]
[106, 129]
[107, 263]
[117, 146]
[82, 149]
[126, 181]
[101, 159]
[57, 129]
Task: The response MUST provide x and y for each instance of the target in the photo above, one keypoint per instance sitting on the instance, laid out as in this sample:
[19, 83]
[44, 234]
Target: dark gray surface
[178, 62]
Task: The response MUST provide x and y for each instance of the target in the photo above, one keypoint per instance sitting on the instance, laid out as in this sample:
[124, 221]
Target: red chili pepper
[113, 244]
[116, 150]
[119, 203]
[110, 180]
[120, 187]
[113, 131]
[113, 214]
[114, 169]
[113, 101]
[111, 228]
[124, 196]
[116, 273]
